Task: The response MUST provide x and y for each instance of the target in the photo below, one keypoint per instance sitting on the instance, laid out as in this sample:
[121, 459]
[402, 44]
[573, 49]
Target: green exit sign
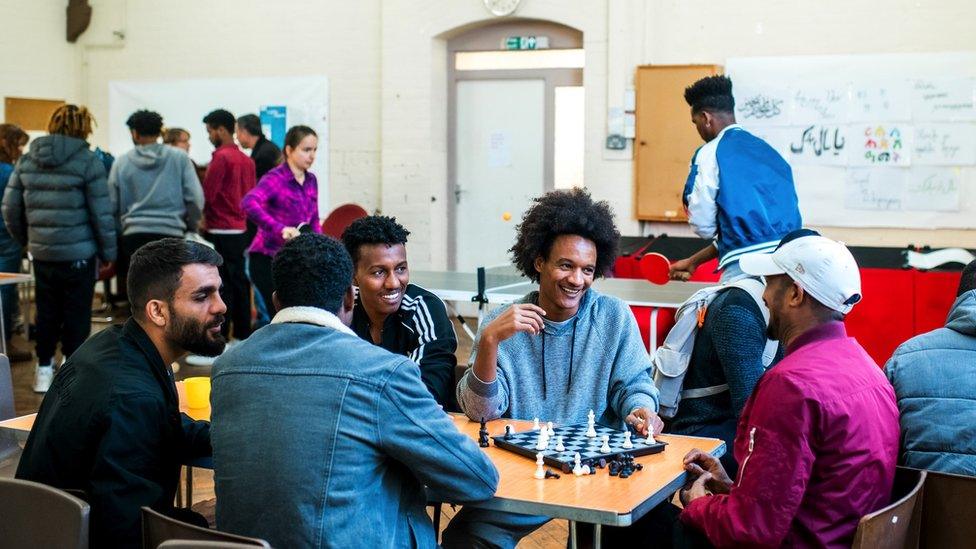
[527, 42]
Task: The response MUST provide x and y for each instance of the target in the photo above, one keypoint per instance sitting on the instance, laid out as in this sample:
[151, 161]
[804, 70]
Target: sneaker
[43, 376]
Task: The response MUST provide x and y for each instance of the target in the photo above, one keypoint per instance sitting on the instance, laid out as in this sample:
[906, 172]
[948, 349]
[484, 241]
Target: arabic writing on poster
[819, 144]
[933, 189]
[945, 144]
[766, 106]
[883, 145]
[874, 189]
[944, 99]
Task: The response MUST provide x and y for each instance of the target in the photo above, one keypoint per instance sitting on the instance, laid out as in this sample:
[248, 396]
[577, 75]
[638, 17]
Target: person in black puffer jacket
[57, 204]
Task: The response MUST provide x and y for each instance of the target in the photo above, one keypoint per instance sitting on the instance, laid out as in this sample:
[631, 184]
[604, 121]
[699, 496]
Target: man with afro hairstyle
[757, 204]
[403, 318]
[558, 352]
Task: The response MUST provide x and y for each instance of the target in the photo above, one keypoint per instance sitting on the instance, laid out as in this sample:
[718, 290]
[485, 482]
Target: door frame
[561, 37]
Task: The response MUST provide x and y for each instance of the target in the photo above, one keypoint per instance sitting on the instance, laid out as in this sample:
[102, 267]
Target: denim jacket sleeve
[418, 434]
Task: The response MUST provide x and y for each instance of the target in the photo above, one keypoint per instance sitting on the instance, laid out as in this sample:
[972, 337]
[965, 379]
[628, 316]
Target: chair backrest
[897, 525]
[196, 544]
[948, 511]
[8, 440]
[342, 217]
[37, 515]
[157, 528]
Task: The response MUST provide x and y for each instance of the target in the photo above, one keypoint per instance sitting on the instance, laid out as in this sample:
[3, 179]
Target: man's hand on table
[640, 418]
[702, 465]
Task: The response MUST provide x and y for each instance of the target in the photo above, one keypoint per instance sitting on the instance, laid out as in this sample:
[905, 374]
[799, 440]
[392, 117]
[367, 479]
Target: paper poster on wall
[824, 145]
[888, 144]
[765, 106]
[499, 150]
[874, 189]
[944, 144]
[874, 100]
[933, 189]
[274, 123]
[820, 104]
[946, 99]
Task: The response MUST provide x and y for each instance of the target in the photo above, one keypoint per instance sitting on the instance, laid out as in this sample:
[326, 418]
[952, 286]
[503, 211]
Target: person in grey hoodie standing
[57, 205]
[558, 352]
[934, 381]
[154, 189]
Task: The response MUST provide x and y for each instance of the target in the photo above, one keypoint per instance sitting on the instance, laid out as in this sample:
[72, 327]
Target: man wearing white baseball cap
[818, 439]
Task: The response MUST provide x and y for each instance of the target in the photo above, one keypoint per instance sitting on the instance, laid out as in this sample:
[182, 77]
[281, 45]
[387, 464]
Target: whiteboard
[184, 103]
[886, 140]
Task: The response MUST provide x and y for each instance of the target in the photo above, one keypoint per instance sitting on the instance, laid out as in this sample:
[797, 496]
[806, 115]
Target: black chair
[158, 528]
[948, 511]
[37, 516]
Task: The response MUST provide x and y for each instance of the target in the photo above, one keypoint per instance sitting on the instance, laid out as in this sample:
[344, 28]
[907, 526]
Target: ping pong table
[501, 285]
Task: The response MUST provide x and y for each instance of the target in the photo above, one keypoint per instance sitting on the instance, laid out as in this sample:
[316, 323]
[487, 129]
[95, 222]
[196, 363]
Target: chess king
[558, 352]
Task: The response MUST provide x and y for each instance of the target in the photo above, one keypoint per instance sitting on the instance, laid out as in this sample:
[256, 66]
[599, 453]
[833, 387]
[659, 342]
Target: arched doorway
[515, 131]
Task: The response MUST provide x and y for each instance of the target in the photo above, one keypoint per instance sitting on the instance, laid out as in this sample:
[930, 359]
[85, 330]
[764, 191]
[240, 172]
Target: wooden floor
[551, 536]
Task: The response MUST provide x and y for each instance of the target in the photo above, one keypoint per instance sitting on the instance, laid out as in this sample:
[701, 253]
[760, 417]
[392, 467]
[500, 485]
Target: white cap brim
[760, 264]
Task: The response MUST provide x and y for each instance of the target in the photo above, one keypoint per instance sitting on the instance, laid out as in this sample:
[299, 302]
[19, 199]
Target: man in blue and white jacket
[739, 192]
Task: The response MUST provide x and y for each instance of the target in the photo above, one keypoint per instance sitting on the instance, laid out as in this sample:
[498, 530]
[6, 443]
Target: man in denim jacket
[322, 439]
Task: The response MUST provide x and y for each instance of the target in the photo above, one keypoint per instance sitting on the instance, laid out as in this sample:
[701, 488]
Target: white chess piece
[559, 444]
[627, 443]
[606, 445]
[543, 442]
[590, 422]
[549, 430]
[577, 470]
[585, 470]
[540, 470]
[535, 424]
[650, 435]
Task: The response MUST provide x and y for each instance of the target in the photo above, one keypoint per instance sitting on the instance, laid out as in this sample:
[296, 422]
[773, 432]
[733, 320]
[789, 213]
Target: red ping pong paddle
[655, 268]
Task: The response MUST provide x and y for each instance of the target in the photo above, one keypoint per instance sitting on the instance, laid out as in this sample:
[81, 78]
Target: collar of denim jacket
[311, 315]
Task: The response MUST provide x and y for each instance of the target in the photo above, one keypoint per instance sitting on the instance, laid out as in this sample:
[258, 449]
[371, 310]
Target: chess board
[575, 440]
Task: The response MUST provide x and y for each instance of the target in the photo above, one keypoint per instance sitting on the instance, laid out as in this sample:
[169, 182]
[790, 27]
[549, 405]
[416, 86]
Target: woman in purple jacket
[284, 203]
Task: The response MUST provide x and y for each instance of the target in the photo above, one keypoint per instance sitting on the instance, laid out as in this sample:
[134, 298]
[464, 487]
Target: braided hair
[71, 120]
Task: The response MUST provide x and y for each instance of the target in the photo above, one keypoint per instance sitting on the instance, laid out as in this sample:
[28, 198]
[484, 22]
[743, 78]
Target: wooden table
[597, 499]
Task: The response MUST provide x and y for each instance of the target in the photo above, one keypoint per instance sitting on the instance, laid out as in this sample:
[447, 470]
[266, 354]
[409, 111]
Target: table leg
[3, 340]
[179, 490]
[652, 336]
[572, 535]
[596, 535]
[189, 487]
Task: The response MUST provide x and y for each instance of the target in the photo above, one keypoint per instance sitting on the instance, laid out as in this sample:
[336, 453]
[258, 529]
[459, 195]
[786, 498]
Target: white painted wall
[35, 59]
[386, 62]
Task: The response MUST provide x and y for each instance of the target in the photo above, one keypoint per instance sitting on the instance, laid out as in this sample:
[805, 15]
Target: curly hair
[71, 120]
[571, 212]
[12, 138]
[373, 229]
[145, 123]
[220, 118]
[312, 270]
[712, 93]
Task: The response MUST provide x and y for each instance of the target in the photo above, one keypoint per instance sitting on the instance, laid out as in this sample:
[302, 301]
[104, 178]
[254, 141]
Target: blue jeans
[10, 257]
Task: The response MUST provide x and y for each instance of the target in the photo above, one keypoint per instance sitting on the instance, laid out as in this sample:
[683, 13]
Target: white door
[500, 164]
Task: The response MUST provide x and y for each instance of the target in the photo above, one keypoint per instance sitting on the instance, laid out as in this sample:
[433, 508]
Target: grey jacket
[934, 376]
[57, 204]
[608, 370]
[154, 189]
[322, 439]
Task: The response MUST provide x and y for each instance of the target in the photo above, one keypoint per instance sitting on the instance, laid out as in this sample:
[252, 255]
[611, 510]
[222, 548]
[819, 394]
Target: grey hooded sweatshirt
[57, 204]
[154, 189]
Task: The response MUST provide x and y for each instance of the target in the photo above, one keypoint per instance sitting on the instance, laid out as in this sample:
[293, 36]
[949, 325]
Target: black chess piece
[483, 435]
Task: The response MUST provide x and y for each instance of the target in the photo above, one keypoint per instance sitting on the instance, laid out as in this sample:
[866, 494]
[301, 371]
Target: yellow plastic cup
[197, 392]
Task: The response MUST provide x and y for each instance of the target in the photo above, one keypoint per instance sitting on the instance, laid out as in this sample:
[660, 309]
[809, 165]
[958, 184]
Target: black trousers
[128, 244]
[64, 292]
[236, 291]
[260, 265]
